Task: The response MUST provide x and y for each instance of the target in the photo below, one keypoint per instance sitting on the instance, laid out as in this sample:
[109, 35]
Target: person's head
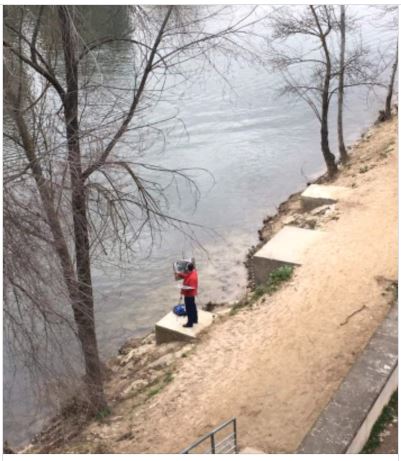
[190, 267]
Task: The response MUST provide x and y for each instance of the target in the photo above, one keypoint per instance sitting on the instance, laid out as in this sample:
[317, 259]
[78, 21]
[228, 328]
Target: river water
[259, 148]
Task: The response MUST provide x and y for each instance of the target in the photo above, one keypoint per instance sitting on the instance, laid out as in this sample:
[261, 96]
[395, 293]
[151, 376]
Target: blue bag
[179, 310]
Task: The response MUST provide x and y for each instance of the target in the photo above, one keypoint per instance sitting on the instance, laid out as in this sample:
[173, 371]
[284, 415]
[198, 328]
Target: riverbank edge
[142, 354]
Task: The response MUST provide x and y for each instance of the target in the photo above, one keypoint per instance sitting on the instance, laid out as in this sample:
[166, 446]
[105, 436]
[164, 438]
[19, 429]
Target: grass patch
[155, 390]
[388, 415]
[100, 415]
[275, 280]
[239, 305]
[273, 283]
[161, 384]
[168, 378]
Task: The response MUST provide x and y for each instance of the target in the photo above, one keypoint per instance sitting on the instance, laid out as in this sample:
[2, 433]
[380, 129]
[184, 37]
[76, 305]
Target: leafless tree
[388, 21]
[391, 13]
[341, 72]
[352, 68]
[316, 22]
[73, 191]
[390, 89]
[317, 73]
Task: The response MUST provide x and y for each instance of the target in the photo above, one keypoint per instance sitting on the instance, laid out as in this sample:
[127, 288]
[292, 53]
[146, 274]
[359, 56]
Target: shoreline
[158, 362]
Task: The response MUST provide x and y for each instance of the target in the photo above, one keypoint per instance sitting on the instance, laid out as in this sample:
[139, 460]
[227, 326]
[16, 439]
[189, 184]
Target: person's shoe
[187, 326]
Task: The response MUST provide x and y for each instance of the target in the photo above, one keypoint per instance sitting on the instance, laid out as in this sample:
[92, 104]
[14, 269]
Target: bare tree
[393, 12]
[77, 192]
[387, 110]
[316, 22]
[388, 16]
[341, 72]
[316, 74]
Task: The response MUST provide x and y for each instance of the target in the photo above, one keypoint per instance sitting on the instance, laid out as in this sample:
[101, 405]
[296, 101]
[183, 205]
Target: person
[189, 290]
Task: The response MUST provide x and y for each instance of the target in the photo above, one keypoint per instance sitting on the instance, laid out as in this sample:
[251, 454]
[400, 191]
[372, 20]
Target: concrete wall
[362, 436]
[345, 424]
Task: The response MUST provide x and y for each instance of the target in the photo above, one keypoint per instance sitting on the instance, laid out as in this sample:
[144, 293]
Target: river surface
[259, 148]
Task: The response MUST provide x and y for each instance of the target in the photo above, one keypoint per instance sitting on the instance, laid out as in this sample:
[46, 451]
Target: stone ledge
[316, 195]
[344, 425]
[170, 327]
[288, 246]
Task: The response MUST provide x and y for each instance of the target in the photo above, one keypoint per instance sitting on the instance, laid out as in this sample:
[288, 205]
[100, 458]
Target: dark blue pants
[192, 312]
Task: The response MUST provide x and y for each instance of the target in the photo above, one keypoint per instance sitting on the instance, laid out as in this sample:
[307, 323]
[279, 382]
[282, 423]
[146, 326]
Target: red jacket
[190, 280]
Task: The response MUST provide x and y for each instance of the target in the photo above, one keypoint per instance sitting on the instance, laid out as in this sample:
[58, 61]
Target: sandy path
[276, 366]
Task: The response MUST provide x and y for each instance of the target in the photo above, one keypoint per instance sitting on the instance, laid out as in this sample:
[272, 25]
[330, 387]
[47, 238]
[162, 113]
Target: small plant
[155, 390]
[159, 386]
[364, 169]
[237, 306]
[169, 377]
[274, 281]
[100, 415]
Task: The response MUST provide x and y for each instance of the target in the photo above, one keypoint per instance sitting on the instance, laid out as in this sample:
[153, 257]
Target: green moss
[388, 415]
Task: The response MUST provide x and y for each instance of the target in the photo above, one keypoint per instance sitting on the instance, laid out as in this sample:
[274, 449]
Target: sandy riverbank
[275, 364]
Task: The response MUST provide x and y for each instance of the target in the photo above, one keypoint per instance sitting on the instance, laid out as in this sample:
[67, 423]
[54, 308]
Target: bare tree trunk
[390, 87]
[341, 145]
[46, 196]
[83, 305]
[324, 137]
[324, 131]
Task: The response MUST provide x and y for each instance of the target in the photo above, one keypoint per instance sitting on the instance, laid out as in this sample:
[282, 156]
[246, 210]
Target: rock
[149, 339]
[323, 210]
[187, 348]
[165, 348]
[125, 436]
[310, 223]
[114, 419]
[223, 312]
[136, 354]
[163, 362]
[126, 359]
[288, 220]
[128, 345]
[135, 386]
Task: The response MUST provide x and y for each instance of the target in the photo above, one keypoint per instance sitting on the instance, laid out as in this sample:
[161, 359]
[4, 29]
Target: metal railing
[226, 445]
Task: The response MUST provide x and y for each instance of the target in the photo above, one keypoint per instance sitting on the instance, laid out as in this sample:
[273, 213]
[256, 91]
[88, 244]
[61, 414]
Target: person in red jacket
[189, 290]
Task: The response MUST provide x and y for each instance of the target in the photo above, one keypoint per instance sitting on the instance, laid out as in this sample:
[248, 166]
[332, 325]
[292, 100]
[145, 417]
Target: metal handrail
[211, 435]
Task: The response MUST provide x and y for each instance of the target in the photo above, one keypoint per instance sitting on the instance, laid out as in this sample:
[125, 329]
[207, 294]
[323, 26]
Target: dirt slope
[275, 367]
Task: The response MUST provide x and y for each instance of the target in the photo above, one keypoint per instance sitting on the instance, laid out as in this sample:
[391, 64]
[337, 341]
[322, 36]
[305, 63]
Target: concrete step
[170, 327]
[316, 195]
[288, 246]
